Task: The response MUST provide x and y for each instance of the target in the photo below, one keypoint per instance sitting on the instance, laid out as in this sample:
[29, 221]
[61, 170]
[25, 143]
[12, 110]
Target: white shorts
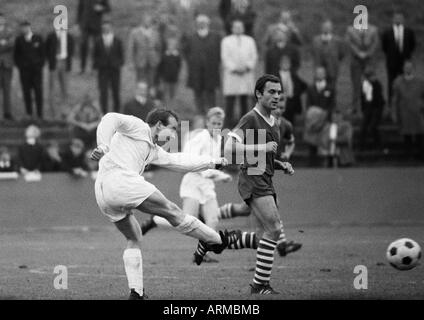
[196, 187]
[118, 191]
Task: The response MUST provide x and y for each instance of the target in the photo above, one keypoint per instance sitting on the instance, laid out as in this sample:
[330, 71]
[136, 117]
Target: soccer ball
[403, 254]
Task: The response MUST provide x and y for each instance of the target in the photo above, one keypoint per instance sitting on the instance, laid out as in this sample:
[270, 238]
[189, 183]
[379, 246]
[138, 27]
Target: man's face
[25, 29]
[271, 96]
[106, 28]
[285, 17]
[142, 90]
[320, 74]
[327, 27]
[214, 123]
[398, 19]
[238, 28]
[168, 132]
[77, 149]
[407, 68]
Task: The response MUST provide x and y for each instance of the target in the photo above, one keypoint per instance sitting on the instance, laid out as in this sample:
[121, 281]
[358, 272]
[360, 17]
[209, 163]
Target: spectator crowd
[220, 66]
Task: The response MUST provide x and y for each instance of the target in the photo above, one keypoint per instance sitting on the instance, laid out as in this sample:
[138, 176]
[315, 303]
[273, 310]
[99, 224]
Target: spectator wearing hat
[29, 58]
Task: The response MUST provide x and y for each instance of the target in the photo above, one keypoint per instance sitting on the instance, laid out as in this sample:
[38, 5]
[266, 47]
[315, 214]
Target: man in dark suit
[59, 53]
[29, 57]
[89, 19]
[202, 51]
[141, 104]
[6, 65]
[398, 42]
[280, 48]
[108, 58]
[328, 51]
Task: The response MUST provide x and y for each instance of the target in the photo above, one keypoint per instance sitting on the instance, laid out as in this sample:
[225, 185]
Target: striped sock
[282, 237]
[243, 240]
[264, 261]
[225, 211]
[201, 249]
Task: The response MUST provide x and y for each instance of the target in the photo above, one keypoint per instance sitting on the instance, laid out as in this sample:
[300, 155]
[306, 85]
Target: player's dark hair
[261, 82]
[161, 115]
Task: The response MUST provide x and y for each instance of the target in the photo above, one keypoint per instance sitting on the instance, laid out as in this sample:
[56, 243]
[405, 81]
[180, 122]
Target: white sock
[161, 222]
[133, 263]
[193, 227]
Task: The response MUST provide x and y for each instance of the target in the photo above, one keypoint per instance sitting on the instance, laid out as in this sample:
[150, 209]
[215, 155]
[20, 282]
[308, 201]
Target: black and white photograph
[218, 157]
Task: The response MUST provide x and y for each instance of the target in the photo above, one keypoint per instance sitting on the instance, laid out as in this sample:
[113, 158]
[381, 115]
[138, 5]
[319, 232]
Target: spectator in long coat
[202, 53]
[408, 109]
[328, 51]
[398, 43]
[239, 56]
[363, 44]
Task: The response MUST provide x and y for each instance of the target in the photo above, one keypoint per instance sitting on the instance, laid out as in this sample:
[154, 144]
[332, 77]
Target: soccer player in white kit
[125, 145]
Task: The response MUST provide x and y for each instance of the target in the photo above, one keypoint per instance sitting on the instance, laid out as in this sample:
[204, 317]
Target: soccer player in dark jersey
[257, 137]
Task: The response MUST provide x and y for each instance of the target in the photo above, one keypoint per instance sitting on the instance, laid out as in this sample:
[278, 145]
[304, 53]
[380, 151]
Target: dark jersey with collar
[254, 129]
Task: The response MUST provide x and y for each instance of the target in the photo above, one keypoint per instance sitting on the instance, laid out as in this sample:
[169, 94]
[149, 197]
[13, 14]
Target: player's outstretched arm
[186, 162]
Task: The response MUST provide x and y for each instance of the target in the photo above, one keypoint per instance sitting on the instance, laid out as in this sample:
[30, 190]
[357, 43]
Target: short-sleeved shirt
[254, 128]
[286, 135]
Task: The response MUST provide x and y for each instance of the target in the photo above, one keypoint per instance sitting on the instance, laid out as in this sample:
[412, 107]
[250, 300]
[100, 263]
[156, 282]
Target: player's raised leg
[159, 205]
[133, 261]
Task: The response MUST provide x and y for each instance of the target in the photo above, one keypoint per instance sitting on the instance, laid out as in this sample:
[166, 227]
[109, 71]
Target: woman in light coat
[239, 57]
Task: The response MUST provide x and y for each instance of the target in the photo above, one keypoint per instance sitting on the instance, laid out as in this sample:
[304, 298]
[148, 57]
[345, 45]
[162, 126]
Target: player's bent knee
[173, 213]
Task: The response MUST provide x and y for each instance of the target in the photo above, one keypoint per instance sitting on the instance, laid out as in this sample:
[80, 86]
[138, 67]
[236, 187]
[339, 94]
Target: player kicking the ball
[197, 189]
[255, 180]
[125, 145]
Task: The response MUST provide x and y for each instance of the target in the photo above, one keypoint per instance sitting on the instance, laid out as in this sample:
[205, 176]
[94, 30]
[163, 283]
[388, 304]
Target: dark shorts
[252, 186]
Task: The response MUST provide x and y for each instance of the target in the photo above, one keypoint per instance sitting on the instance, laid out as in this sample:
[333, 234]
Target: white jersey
[203, 144]
[130, 147]
[201, 185]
